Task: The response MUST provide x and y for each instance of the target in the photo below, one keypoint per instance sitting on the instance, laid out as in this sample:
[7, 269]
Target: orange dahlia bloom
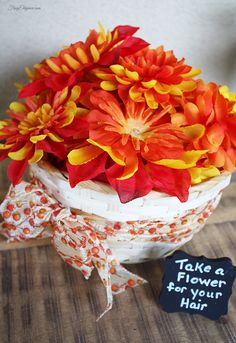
[131, 134]
[215, 108]
[150, 75]
[38, 125]
[67, 68]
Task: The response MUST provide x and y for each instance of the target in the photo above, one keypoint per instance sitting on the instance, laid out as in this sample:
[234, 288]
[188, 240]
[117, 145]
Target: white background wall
[204, 31]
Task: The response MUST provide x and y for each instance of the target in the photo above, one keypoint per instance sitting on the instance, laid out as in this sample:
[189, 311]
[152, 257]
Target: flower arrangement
[116, 110]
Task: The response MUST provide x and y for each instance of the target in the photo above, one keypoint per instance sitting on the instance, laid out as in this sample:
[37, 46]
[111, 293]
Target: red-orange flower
[39, 125]
[75, 61]
[149, 75]
[130, 132]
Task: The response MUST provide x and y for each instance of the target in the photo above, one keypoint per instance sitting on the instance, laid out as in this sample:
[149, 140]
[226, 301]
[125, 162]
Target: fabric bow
[29, 213]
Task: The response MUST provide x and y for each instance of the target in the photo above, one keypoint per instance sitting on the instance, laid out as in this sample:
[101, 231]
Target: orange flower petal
[191, 112]
[178, 119]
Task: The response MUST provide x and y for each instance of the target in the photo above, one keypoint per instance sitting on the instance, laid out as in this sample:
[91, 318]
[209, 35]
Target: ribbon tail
[71, 243]
[114, 276]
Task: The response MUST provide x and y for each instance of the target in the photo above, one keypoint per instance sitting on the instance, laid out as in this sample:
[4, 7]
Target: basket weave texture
[147, 228]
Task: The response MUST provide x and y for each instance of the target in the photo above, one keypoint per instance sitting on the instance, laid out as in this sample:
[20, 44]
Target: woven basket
[147, 228]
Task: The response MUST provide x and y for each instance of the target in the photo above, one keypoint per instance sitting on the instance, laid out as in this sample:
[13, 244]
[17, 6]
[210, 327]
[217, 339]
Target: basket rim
[205, 185]
[97, 198]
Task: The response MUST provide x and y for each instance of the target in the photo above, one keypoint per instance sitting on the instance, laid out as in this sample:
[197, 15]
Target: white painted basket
[147, 228]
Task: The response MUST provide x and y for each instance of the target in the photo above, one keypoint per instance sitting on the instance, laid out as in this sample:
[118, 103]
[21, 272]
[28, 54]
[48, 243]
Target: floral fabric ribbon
[29, 211]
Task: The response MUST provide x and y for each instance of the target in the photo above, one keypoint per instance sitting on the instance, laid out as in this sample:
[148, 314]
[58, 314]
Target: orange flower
[215, 108]
[73, 62]
[38, 125]
[150, 75]
[130, 132]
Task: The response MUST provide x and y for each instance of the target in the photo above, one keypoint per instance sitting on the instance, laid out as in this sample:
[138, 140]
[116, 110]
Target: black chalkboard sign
[197, 285]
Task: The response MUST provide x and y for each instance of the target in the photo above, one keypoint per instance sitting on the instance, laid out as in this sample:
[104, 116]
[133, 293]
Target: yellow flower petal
[3, 123]
[38, 154]
[134, 94]
[151, 102]
[162, 89]
[200, 174]
[18, 86]
[75, 93]
[149, 84]
[54, 137]
[189, 159]
[94, 52]
[193, 72]
[224, 90]
[21, 153]
[29, 73]
[65, 69]
[129, 171]
[84, 154]
[82, 56]
[63, 95]
[71, 61]
[122, 81]
[5, 146]
[175, 90]
[108, 85]
[187, 86]
[53, 66]
[118, 69]
[17, 107]
[102, 32]
[45, 109]
[102, 75]
[69, 114]
[195, 131]
[82, 111]
[133, 75]
[114, 156]
[35, 139]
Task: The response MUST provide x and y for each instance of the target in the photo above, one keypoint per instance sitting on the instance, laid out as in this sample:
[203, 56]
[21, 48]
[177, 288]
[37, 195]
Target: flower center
[136, 128]
[36, 120]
